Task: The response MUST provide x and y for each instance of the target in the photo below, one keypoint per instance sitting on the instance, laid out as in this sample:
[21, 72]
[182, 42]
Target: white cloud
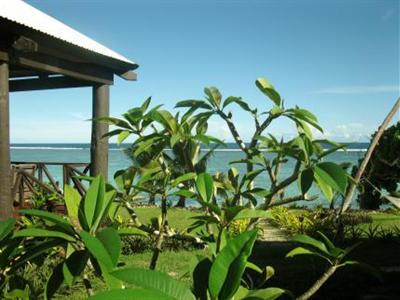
[351, 132]
[346, 90]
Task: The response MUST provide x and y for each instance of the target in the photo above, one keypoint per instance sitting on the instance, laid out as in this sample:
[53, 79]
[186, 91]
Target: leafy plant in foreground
[218, 278]
[85, 242]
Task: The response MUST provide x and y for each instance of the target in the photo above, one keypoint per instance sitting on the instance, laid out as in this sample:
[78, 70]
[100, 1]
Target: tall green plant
[306, 152]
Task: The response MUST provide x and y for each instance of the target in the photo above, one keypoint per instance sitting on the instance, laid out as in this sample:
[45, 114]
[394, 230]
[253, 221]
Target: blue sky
[340, 59]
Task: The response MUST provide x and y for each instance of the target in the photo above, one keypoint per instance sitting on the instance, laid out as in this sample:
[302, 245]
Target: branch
[293, 199]
[261, 128]
[284, 183]
[234, 132]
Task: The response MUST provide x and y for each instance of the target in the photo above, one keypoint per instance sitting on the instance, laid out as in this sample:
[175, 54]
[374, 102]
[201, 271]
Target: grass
[385, 220]
[178, 218]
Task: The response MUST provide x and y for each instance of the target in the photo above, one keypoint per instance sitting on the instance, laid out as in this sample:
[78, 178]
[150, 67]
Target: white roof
[20, 12]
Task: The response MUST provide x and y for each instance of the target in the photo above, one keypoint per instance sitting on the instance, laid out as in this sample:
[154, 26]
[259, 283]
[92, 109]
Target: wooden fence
[29, 178]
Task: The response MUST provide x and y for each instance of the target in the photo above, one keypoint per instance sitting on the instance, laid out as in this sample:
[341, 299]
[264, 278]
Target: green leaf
[324, 187]
[145, 104]
[184, 177]
[191, 103]
[37, 232]
[101, 209]
[114, 121]
[54, 282]
[131, 231]
[267, 89]
[305, 180]
[265, 294]
[122, 136]
[306, 240]
[125, 294]
[74, 265]
[98, 250]
[36, 250]
[6, 227]
[72, 200]
[298, 114]
[299, 251]
[174, 139]
[253, 267]
[200, 278]
[250, 213]
[333, 175]
[205, 186]
[111, 242]
[154, 280]
[45, 215]
[185, 193]
[238, 101]
[165, 118]
[94, 200]
[228, 267]
[213, 96]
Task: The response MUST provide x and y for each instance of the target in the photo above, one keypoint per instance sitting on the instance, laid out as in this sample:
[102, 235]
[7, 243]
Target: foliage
[42, 199]
[311, 222]
[167, 163]
[307, 153]
[218, 278]
[139, 244]
[80, 236]
[157, 130]
[382, 173]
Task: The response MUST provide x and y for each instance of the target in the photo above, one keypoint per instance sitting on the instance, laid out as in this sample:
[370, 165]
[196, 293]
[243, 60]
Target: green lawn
[178, 218]
[385, 220]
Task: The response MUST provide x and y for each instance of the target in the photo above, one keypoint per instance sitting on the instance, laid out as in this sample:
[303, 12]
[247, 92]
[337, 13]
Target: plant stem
[318, 284]
[88, 285]
[160, 238]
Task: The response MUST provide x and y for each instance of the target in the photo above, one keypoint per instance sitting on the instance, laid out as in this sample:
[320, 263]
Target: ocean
[220, 161]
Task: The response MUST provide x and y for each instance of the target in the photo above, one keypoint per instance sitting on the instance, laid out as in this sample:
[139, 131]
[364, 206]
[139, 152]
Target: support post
[99, 145]
[6, 202]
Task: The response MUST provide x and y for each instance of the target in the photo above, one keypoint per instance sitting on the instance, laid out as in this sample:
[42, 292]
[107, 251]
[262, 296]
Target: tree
[307, 153]
[382, 171]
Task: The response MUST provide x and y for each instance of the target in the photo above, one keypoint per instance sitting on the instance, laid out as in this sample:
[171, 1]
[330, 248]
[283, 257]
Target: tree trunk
[152, 199]
[181, 202]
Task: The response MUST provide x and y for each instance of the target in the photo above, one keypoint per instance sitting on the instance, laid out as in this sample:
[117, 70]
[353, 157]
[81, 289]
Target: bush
[140, 244]
[310, 222]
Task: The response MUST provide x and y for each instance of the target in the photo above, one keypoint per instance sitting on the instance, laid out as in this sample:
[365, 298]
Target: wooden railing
[29, 178]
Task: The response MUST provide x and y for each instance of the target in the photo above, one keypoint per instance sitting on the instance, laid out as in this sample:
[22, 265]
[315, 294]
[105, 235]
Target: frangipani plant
[80, 234]
[308, 153]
